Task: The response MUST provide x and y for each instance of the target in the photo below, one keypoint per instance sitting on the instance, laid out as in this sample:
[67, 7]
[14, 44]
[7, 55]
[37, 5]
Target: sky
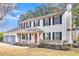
[11, 20]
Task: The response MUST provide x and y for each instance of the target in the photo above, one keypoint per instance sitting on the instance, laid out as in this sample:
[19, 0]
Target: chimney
[69, 6]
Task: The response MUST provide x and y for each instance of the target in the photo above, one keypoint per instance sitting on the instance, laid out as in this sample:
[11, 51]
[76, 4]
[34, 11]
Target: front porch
[30, 36]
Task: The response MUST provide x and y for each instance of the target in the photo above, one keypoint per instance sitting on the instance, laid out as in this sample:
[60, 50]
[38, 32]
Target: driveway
[9, 45]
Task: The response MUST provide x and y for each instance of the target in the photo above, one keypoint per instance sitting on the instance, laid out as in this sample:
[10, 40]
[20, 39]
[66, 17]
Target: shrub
[1, 36]
[41, 45]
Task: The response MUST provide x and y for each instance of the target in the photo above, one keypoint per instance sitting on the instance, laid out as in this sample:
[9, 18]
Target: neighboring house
[55, 28]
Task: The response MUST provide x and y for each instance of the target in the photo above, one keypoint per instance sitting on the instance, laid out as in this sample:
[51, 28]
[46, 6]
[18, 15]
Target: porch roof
[29, 30]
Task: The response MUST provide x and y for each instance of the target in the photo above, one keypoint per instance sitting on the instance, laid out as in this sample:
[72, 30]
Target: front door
[35, 37]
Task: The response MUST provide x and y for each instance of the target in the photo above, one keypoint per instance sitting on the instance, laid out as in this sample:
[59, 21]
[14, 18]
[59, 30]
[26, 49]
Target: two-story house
[55, 28]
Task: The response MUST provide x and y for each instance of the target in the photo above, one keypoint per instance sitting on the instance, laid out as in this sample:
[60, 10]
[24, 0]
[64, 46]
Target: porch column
[51, 36]
[51, 20]
[33, 38]
[21, 38]
[25, 37]
[9, 38]
[28, 37]
[38, 38]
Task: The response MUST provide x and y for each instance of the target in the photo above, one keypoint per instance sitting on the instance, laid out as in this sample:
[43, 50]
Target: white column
[31, 23]
[38, 38]
[17, 39]
[33, 40]
[28, 37]
[9, 38]
[51, 21]
[25, 37]
[25, 25]
[51, 36]
[41, 23]
[21, 38]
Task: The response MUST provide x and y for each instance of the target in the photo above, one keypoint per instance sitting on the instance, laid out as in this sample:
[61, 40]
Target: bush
[1, 36]
[41, 45]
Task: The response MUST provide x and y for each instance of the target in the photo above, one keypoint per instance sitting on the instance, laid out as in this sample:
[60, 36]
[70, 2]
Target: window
[29, 36]
[47, 22]
[23, 37]
[49, 35]
[36, 23]
[26, 36]
[57, 20]
[57, 36]
[22, 25]
[28, 24]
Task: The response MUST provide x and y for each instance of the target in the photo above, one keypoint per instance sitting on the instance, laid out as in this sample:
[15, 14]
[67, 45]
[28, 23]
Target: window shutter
[53, 35]
[60, 19]
[38, 22]
[53, 21]
[60, 35]
[49, 21]
[30, 23]
[43, 36]
[49, 35]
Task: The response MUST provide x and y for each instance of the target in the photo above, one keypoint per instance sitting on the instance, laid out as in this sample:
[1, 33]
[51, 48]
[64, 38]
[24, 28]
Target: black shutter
[38, 22]
[49, 35]
[30, 23]
[43, 36]
[60, 19]
[53, 35]
[53, 20]
[49, 21]
[60, 35]
[24, 25]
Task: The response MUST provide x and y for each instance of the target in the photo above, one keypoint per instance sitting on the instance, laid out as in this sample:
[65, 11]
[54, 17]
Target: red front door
[35, 37]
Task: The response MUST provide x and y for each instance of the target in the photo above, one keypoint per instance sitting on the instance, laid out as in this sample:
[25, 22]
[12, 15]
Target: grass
[6, 50]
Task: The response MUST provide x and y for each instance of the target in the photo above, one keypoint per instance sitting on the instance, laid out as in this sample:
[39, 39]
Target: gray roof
[44, 16]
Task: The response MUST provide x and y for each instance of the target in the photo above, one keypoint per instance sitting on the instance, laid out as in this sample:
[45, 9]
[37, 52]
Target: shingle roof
[44, 16]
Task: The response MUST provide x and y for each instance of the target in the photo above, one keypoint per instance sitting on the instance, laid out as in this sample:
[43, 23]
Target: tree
[1, 36]
[5, 8]
[75, 12]
[42, 9]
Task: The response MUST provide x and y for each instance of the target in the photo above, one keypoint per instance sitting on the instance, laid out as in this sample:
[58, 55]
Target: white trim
[28, 38]
[21, 38]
